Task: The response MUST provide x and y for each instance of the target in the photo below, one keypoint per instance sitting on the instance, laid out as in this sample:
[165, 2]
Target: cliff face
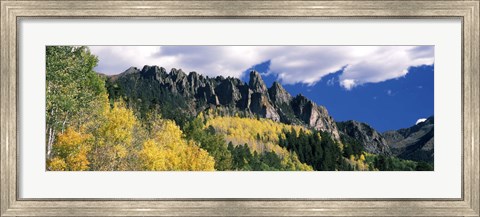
[192, 93]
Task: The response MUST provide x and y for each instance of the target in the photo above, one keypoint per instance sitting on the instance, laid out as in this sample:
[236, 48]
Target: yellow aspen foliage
[244, 130]
[113, 146]
[361, 164]
[362, 158]
[119, 123]
[152, 156]
[352, 158]
[56, 164]
[169, 151]
[292, 162]
[358, 162]
[261, 135]
[70, 151]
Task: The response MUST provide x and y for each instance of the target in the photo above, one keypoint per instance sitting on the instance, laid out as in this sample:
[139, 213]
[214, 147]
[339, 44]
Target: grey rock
[256, 83]
[153, 72]
[278, 94]
[228, 93]
[314, 116]
[131, 70]
[261, 106]
[372, 141]
[245, 97]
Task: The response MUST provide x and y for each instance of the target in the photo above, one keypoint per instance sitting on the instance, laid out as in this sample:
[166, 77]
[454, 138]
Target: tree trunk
[50, 134]
[64, 122]
[51, 139]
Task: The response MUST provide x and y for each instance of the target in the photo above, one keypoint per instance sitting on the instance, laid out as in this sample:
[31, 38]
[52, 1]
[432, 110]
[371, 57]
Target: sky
[387, 87]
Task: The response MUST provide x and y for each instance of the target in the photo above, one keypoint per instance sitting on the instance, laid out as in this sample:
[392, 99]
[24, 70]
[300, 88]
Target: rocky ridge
[194, 93]
[413, 143]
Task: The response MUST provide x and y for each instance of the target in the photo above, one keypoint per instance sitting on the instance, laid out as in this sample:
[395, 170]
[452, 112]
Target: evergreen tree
[211, 142]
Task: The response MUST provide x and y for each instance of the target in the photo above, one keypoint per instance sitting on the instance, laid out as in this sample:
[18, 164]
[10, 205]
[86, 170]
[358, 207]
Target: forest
[90, 129]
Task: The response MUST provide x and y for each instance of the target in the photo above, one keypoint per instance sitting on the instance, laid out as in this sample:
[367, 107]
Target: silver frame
[11, 11]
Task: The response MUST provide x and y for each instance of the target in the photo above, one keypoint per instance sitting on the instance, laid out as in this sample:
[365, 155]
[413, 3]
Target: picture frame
[12, 11]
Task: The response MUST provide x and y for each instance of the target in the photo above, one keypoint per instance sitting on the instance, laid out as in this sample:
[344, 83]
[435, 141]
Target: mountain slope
[371, 140]
[413, 143]
[181, 95]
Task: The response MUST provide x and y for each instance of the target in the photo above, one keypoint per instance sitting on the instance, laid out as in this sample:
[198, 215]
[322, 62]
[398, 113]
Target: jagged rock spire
[256, 83]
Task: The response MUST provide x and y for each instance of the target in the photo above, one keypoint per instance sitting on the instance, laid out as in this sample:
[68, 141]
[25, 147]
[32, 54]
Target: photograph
[239, 108]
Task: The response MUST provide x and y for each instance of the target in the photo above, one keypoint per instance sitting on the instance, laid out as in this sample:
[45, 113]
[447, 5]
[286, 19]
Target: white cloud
[292, 64]
[116, 59]
[348, 83]
[387, 62]
[208, 60]
[420, 120]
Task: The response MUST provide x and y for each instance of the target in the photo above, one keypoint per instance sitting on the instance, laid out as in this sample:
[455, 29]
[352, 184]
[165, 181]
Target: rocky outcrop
[314, 116]
[278, 94]
[372, 141]
[260, 102]
[256, 83]
[151, 72]
[413, 143]
[194, 93]
[228, 92]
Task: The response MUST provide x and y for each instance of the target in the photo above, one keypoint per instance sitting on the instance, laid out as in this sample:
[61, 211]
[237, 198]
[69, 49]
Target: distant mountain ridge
[193, 93]
[413, 143]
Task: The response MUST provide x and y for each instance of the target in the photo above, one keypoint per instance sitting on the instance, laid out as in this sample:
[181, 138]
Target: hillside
[371, 140]
[413, 143]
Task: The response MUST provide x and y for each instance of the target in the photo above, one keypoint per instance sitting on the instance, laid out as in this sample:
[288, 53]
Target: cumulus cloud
[292, 64]
[208, 60]
[380, 63]
[420, 120]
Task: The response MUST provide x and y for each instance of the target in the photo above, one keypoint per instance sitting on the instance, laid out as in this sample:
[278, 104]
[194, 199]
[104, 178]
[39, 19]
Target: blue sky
[388, 105]
[388, 87]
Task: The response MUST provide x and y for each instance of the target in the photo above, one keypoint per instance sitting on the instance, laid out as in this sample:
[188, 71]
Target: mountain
[371, 140]
[181, 95]
[413, 143]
